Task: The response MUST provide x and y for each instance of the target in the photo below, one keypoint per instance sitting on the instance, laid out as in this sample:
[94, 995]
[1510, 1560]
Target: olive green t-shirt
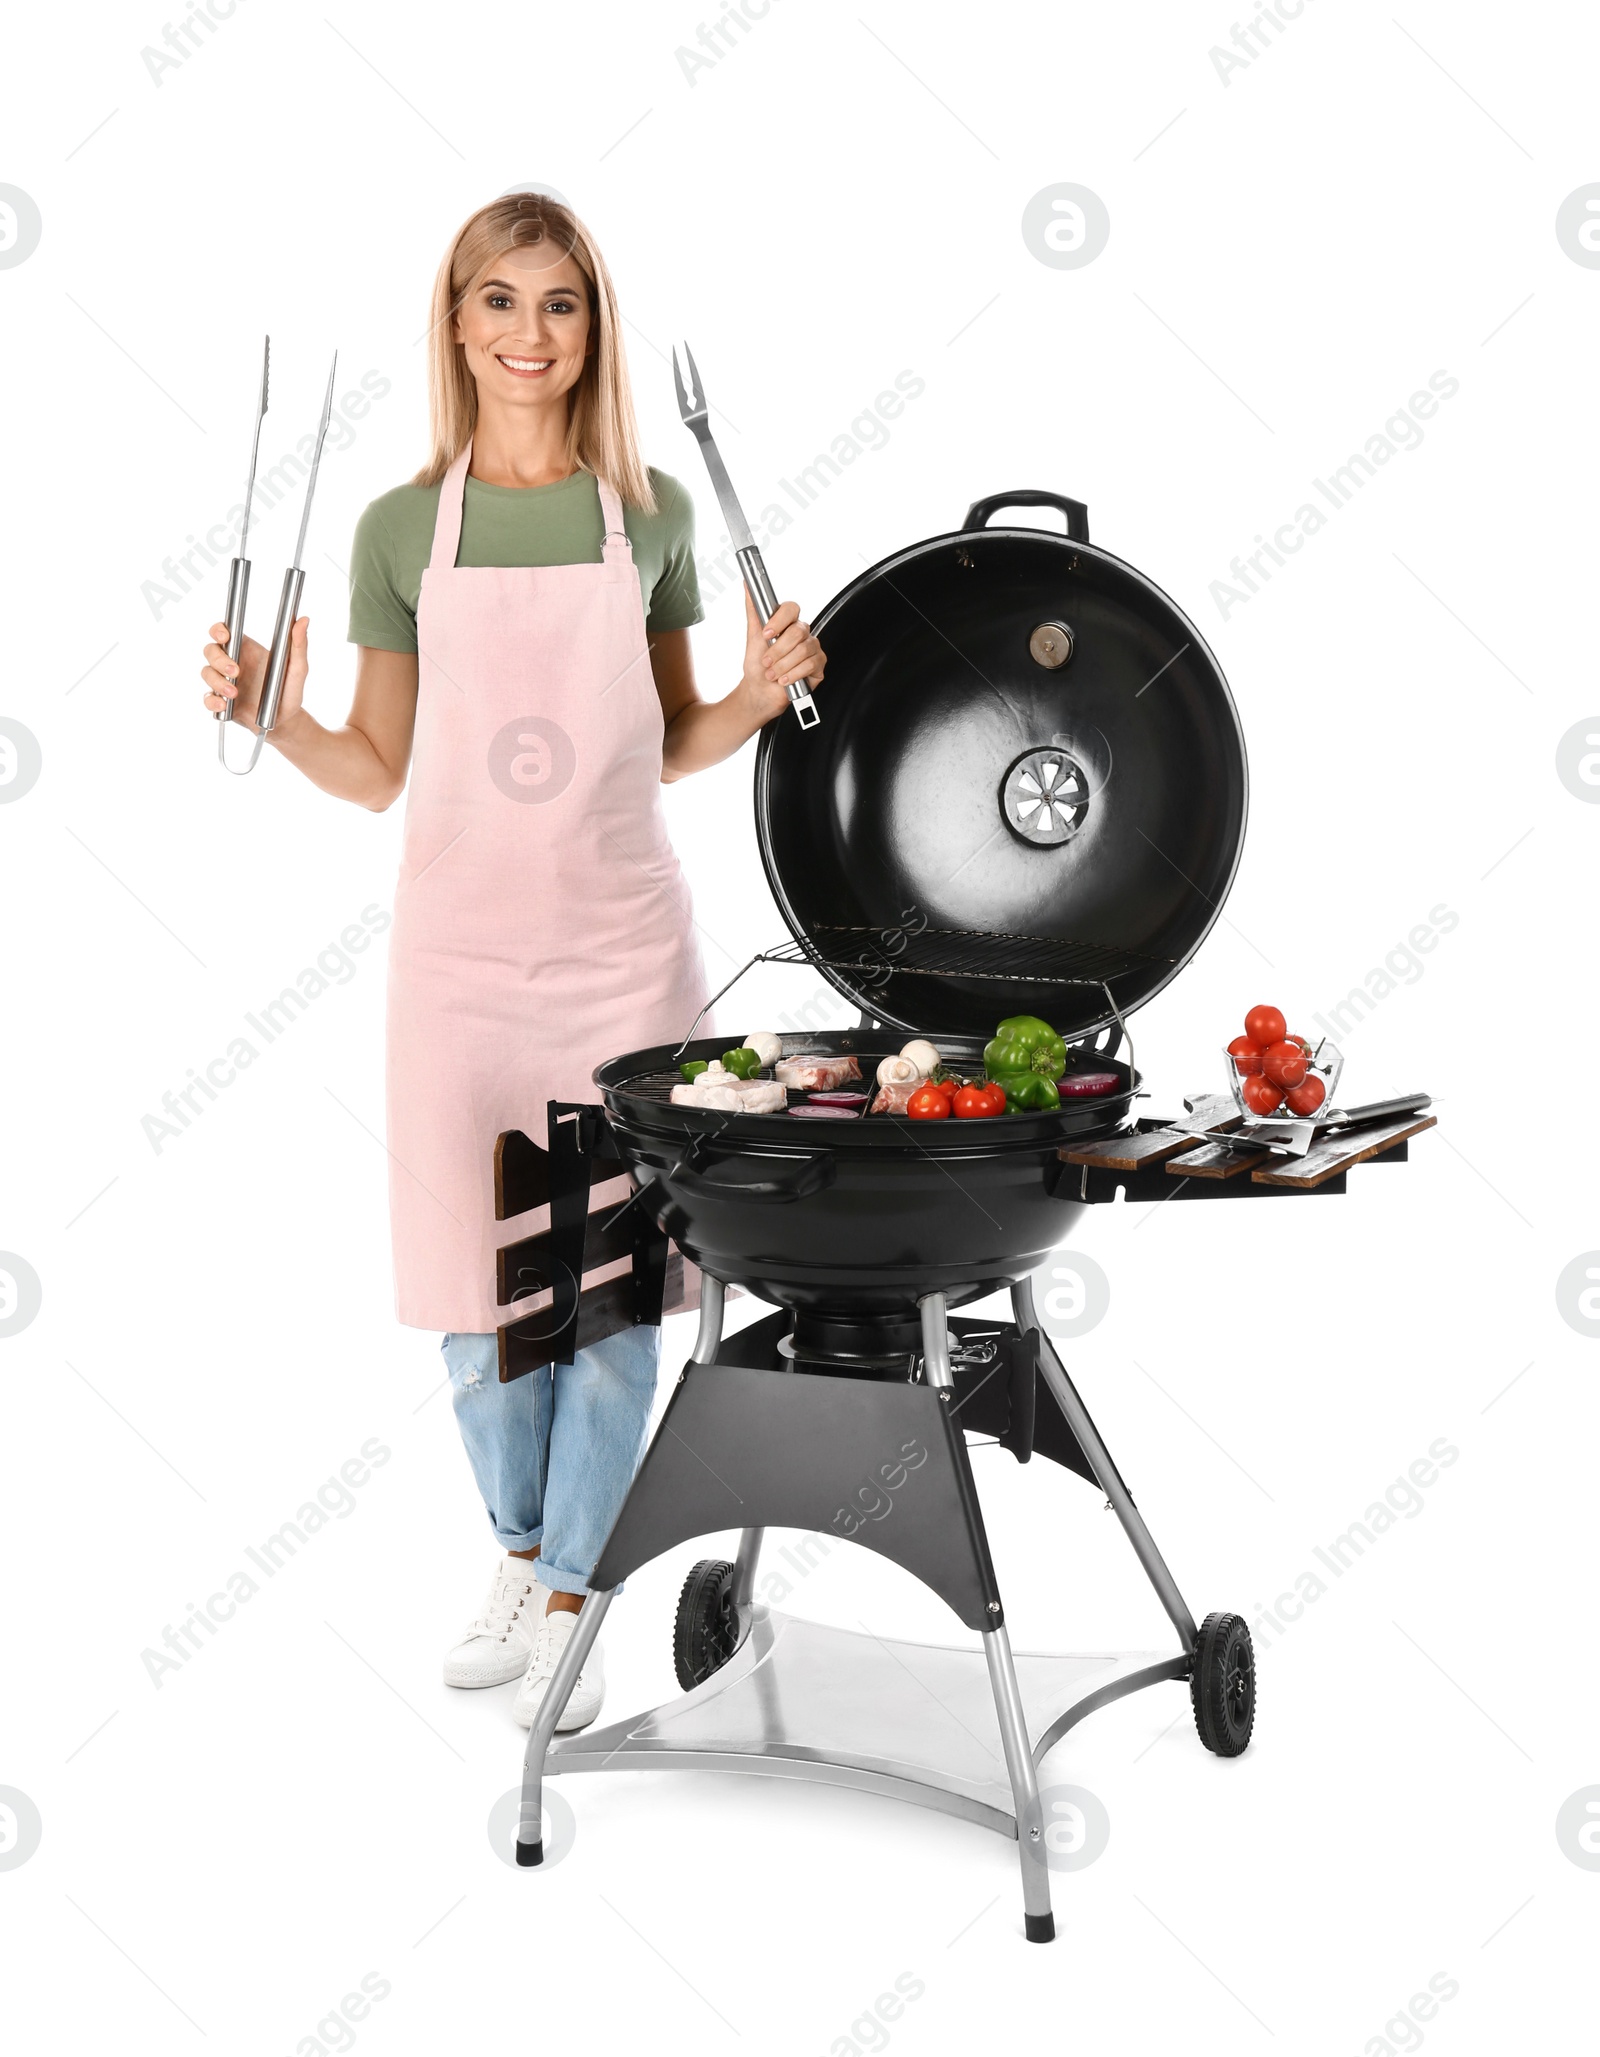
[517, 525]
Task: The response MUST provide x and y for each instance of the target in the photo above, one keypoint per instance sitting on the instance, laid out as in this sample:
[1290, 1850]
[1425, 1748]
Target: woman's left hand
[776, 652]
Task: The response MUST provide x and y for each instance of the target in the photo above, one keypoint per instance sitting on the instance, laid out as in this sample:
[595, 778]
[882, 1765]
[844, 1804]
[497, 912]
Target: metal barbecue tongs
[744, 545]
[239, 570]
[294, 580]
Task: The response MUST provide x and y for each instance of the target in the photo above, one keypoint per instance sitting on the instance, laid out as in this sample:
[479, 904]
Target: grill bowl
[857, 1220]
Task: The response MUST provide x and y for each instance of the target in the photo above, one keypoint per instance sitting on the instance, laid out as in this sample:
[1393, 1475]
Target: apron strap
[447, 523]
[615, 549]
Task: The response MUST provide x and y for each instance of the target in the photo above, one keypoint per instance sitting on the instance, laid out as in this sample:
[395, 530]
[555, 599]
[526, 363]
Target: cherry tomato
[971, 1103]
[996, 1097]
[927, 1103]
[1265, 1026]
[1306, 1098]
[1246, 1056]
[1284, 1064]
[1261, 1096]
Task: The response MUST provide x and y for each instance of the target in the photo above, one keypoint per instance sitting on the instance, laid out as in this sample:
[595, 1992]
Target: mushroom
[767, 1046]
[923, 1055]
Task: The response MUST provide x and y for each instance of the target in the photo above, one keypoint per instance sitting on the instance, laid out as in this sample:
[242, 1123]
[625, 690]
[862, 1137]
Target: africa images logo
[532, 759]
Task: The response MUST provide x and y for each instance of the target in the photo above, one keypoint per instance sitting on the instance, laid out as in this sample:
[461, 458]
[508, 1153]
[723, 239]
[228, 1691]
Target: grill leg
[530, 1827]
[1037, 1917]
[713, 1298]
[530, 1837]
[1106, 1473]
[935, 1341]
[744, 1567]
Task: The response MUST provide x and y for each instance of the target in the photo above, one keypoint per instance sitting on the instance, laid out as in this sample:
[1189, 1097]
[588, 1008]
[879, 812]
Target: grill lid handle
[981, 512]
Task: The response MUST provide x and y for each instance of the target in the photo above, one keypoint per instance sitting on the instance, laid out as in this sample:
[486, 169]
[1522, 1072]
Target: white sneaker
[497, 1646]
[554, 1633]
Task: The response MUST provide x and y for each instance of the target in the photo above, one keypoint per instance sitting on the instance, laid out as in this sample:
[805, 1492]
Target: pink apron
[541, 921]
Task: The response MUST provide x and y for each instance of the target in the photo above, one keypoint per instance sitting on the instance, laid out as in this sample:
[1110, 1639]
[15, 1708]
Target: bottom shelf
[914, 1721]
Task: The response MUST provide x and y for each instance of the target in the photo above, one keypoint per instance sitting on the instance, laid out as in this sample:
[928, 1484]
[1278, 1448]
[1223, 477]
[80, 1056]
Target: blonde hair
[602, 434]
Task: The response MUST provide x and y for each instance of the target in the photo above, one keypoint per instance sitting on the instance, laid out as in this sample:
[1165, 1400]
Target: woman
[521, 611]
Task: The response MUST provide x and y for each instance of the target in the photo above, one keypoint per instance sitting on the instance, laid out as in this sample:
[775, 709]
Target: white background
[838, 198]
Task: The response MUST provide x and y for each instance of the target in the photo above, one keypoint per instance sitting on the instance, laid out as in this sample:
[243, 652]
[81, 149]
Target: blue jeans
[554, 1453]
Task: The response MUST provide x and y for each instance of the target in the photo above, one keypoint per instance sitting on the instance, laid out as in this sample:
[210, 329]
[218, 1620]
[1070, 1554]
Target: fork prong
[694, 374]
[677, 379]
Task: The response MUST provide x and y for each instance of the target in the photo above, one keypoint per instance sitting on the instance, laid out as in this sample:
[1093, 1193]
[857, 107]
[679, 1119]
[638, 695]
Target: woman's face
[526, 326]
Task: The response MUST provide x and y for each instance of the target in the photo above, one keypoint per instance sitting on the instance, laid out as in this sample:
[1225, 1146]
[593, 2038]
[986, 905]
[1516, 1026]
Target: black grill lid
[1027, 792]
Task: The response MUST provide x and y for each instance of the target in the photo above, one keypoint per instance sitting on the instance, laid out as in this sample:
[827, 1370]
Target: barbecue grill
[1027, 793]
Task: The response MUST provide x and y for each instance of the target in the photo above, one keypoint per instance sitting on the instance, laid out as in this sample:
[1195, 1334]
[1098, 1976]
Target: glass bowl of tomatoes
[1286, 1078]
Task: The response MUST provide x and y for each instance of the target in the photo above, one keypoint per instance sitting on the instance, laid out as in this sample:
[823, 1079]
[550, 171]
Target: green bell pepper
[743, 1062]
[694, 1067]
[1028, 1092]
[1023, 1042]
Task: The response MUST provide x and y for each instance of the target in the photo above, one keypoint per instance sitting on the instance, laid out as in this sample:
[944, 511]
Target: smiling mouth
[526, 367]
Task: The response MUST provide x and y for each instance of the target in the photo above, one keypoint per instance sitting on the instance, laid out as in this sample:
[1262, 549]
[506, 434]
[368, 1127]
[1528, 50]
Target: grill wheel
[1222, 1686]
[706, 1632]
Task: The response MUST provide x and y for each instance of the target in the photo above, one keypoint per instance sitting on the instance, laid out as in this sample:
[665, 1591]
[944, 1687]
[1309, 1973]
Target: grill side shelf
[604, 1310]
[522, 1174]
[1148, 1147]
[1153, 1162]
[1218, 1160]
[586, 1235]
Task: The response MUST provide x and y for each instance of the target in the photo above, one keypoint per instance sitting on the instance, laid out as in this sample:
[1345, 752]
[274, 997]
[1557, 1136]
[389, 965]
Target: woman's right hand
[241, 683]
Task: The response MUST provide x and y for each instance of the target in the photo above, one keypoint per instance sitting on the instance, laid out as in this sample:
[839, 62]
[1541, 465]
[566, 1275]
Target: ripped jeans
[554, 1453]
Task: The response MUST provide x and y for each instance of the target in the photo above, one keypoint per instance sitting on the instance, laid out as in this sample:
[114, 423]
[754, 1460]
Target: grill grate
[654, 1085]
[877, 954]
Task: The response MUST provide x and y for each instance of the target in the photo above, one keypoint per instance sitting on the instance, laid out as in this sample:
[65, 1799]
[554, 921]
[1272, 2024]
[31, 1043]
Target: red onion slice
[1087, 1085]
[808, 1110]
[839, 1099]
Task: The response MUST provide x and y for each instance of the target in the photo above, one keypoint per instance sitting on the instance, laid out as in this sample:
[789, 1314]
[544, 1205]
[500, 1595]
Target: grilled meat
[816, 1074]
